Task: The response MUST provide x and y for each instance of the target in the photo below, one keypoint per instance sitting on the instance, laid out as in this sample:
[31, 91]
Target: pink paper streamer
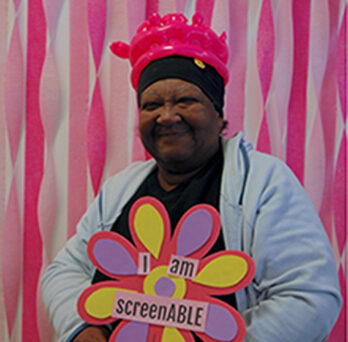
[134, 20]
[314, 177]
[340, 184]
[340, 197]
[282, 74]
[46, 218]
[12, 229]
[50, 97]
[117, 110]
[3, 145]
[334, 179]
[297, 106]
[315, 158]
[49, 109]
[139, 152]
[34, 146]
[327, 102]
[180, 6]
[96, 127]
[11, 256]
[265, 58]
[96, 141]
[52, 11]
[3, 328]
[263, 141]
[96, 28]
[151, 7]
[319, 43]
[265, 47]
[14, 91]
[235, 91]
[342, 63]
[47, 203]
[78, 111]
[49, 100]
[46, 215]
[165, 7]
[315, 161]
[17, 3]
[206, 9]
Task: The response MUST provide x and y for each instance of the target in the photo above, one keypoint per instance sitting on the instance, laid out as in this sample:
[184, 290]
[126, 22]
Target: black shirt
[203, 187]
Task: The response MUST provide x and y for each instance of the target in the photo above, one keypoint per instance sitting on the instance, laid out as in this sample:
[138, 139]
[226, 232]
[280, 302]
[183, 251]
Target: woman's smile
[174, 131]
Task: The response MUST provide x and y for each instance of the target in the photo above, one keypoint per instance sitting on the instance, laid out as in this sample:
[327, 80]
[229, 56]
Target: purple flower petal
[133, 331]
[194, 232]
[114, 258]
[220, 324]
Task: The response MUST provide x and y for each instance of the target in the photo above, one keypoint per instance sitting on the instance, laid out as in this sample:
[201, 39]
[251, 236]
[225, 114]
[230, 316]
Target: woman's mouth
[174, 131]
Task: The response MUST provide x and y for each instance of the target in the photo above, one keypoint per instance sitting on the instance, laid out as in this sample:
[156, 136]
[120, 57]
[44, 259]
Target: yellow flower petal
[149, 227]
[224, 271]
[171, 335]
[100, 303]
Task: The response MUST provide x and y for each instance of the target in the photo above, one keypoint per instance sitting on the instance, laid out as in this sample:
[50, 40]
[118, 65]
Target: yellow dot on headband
[199, 63]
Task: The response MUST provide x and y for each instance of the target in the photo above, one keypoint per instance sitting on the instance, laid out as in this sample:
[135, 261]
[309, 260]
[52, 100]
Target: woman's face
[179, 125]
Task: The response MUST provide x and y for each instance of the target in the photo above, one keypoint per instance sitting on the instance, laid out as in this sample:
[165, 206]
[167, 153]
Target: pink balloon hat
[171, 35]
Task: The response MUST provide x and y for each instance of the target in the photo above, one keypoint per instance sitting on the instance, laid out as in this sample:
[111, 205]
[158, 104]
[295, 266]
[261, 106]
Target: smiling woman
[180, 128]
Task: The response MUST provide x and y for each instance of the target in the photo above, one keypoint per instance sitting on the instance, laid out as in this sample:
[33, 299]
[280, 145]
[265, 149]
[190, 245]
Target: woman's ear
[224, 125]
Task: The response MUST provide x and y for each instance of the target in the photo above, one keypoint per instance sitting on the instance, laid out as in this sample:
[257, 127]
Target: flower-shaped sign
[164, 287]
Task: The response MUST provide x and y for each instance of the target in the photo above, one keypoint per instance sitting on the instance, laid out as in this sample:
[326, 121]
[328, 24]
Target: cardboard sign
[165, 286]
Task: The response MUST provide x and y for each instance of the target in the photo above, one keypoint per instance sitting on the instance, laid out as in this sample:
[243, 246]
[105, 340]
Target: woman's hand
[92, 334]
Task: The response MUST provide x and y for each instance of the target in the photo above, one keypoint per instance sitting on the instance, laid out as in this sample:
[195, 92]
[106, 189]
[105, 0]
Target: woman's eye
[187, 100]
[150, 105]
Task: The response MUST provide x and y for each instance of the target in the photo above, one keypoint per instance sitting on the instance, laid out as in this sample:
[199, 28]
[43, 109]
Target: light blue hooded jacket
[294, 296]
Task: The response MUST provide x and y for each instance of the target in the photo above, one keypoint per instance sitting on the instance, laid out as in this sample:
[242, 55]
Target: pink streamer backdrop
[68, 119]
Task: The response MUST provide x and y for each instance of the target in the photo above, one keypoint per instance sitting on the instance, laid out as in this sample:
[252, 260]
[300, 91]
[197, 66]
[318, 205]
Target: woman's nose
[168, 115]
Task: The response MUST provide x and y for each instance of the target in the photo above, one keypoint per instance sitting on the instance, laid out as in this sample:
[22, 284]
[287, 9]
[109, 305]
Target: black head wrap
[188, 69]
